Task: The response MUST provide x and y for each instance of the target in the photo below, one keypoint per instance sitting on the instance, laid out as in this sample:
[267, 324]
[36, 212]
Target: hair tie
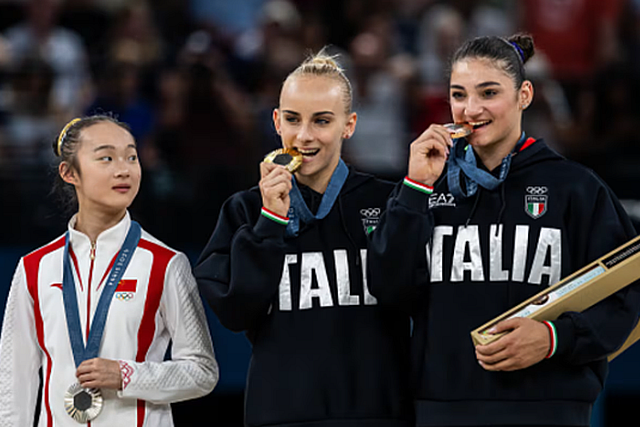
[519, 50]
[63, 133]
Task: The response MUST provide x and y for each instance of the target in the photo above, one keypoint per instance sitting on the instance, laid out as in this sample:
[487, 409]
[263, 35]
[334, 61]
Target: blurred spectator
[11, 11]
[578, 36]
[380, 143]
[5, 55]
[40, 36]
[408, 17]
[615, 119]
[630, 34]
[197, 80]
[25, 148]
[119, 92]
[548, 115]
[267, 54]
[345, 19]
[205, 132]
[445, 24]
[441, 31]
[91, 22]
[111, 5]
[274, 44]
[579, 39]
[232, 17]
[174, 24]
[613, 147]
[134, 37]
[487, 17]
[30, 119]
[442, 28]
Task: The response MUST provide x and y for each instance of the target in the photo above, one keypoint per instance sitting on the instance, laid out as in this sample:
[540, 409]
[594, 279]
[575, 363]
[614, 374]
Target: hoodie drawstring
[475, 205]
[346, 230]
[503, 202]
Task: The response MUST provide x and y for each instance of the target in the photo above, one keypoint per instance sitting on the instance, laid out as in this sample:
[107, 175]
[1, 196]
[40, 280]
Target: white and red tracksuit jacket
[156, 302]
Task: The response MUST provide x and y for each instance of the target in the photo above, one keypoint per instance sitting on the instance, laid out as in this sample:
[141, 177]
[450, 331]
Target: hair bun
[322, 60]
[525, 43]
[325, 65]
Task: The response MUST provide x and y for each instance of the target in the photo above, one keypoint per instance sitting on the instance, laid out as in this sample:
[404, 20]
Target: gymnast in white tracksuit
[154, 301]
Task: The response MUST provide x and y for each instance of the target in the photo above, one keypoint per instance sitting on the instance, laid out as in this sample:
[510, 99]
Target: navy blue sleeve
[238, 272]
[396, 260]
[602, 329]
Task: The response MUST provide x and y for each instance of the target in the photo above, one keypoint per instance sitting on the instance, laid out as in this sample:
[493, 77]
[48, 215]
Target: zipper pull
[93, 251]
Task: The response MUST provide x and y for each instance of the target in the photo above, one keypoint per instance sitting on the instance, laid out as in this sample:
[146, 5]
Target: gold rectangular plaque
[577, 292]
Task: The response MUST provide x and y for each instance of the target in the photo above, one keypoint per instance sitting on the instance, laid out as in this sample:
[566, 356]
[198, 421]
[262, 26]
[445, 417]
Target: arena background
[197, 81]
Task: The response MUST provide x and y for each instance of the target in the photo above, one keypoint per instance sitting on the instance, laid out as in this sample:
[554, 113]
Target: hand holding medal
[100, 373]
[83, 401]
[430, 151]
[275, 182]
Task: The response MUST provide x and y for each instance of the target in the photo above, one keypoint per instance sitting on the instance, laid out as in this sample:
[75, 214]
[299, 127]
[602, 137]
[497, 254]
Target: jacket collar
[107, 243]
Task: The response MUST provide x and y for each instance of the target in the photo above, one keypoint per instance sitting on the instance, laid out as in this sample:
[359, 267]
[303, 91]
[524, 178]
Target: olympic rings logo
[125, 296]
[370, 212]
[537, 190]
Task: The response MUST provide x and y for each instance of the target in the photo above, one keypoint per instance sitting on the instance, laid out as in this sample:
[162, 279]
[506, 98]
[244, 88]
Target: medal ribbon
[462, 158]
[80, 352]
[299, 210]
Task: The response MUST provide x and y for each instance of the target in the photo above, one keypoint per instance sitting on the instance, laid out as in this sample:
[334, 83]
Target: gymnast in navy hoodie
[482, 223]
[285, 264]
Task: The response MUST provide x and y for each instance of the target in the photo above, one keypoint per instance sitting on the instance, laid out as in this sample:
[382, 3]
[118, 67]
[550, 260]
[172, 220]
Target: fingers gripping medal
[459, 130]
[287, 157]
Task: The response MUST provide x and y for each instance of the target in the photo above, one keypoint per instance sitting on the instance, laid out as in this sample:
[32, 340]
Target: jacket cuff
[553, 338]
[565, 334]
[126, 371]
[414, 195]
[270, 224]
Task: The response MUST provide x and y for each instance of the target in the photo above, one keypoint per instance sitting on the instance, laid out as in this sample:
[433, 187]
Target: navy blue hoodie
[485, 254]
[324, 352]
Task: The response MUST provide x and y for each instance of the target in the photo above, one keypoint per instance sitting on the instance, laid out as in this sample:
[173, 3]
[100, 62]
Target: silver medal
[82, 404]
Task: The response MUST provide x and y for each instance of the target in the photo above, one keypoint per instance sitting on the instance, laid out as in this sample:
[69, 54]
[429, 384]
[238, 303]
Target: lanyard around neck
[463, 160]
[299, 211]
[80, 352]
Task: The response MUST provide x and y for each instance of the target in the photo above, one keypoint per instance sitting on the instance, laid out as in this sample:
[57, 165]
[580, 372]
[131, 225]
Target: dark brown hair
[509, 54]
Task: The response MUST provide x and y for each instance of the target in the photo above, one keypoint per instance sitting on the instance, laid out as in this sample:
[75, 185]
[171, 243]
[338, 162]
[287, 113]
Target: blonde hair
[324, 65]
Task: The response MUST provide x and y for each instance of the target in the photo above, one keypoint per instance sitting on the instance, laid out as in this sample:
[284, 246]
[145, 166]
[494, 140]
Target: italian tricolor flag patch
[535, 206]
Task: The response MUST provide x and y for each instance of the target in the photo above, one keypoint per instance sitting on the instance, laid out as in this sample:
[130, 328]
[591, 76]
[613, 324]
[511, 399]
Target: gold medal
[459, 130]
[287, 157]
[82, 404]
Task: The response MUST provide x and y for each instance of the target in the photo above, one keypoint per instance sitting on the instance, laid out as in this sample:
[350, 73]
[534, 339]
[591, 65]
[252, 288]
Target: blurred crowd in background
[197, 81]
